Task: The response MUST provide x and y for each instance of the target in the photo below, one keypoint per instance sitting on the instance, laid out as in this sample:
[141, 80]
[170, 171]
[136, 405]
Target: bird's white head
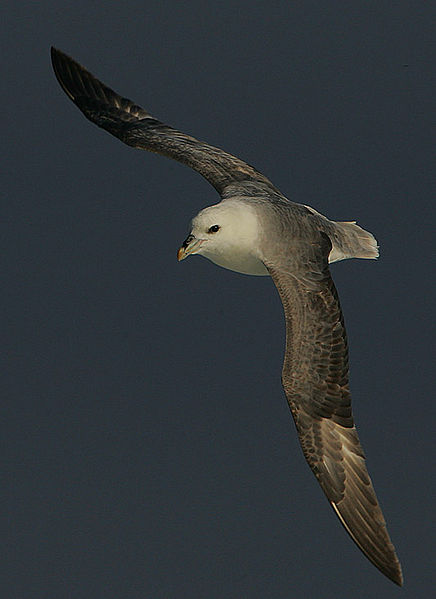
[228, 234]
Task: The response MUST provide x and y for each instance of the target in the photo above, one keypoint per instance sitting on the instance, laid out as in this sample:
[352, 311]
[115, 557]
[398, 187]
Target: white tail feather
[348, 239]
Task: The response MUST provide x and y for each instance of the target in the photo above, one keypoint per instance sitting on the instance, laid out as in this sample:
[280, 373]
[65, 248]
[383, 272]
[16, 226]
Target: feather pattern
[315, 380]
[136, 127]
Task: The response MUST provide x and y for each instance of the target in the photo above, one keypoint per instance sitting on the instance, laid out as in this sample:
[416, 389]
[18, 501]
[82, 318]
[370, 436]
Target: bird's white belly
[242, 262]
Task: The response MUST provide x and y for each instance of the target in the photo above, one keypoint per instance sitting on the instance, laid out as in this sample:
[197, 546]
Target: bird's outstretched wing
[136, 127]
[315, 380]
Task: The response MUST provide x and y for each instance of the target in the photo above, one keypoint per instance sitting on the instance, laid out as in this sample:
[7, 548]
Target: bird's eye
[213, 229]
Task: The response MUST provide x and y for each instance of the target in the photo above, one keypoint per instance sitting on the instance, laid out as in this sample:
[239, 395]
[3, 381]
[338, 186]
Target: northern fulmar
[256, 230]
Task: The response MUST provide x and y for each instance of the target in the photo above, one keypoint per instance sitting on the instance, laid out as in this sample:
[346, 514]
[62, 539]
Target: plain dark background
[148, 450]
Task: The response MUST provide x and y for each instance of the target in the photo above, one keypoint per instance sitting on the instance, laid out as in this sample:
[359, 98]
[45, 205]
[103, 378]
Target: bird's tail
[351, 241]
[348, 239]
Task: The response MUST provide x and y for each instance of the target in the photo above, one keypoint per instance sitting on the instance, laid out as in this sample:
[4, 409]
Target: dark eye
[213, 229]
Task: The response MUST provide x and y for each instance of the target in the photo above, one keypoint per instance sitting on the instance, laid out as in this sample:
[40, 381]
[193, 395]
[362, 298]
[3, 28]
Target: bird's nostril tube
[187, 241]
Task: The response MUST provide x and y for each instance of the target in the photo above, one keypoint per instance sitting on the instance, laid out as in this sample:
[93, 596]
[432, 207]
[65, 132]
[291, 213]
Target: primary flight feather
[256, 230]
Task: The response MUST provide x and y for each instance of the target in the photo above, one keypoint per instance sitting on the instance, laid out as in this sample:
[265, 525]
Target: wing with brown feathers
[136, 127]
[315, 380]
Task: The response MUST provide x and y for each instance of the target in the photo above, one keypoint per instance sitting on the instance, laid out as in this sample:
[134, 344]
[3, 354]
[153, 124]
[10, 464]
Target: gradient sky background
[147, 445]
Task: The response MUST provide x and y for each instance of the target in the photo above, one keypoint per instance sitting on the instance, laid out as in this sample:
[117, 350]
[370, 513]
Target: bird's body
[256, 230]
[243, 243]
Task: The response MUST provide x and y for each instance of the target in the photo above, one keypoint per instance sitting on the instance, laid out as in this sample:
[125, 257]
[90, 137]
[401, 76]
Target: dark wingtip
[392, 571]
[54, 52]
[56, 56]
[58, 61]
[398, 577]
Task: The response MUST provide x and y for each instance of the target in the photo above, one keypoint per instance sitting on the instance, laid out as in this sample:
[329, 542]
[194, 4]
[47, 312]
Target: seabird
[256, 230]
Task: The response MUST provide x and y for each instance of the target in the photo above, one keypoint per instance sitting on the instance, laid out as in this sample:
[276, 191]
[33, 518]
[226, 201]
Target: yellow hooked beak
[190, 246]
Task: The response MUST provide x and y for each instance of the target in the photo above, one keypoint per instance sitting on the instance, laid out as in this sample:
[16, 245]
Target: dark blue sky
[147, 444]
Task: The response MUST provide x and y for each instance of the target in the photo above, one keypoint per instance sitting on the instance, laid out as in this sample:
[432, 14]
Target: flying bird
[256, 230]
